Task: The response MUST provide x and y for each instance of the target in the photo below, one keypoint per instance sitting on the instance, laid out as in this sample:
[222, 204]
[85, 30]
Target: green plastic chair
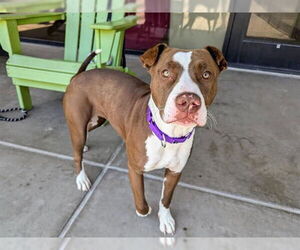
[87, 29]
[17, 6]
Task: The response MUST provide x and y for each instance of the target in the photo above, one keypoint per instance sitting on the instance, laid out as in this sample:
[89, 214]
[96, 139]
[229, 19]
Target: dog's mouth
[186, 119]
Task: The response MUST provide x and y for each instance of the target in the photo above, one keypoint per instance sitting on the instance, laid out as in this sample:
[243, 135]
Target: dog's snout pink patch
[188, 103]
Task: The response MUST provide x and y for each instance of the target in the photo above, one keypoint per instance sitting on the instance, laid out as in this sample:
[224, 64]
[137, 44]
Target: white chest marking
[173, 156]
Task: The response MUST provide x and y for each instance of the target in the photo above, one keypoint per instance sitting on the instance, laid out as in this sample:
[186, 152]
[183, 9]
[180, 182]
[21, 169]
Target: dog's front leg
[137, 186]
[166, 221]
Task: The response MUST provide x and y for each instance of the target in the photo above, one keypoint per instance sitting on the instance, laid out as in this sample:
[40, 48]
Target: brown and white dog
[183, 85]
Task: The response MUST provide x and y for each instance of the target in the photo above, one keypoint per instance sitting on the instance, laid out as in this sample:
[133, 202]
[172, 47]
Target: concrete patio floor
[241, 180]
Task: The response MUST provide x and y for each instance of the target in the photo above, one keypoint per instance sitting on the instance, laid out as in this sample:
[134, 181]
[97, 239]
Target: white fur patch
[173, 156]
[167, 241]
[166, 221]
[144, 215]
[82, 181]
[85, 148]
[185, 84]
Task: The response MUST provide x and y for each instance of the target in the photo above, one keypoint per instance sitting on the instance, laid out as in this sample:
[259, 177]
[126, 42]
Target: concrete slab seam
[157, 178]
[88, 195]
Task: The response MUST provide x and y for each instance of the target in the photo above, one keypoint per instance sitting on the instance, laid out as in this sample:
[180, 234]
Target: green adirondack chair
[18, 6]
[86, 30]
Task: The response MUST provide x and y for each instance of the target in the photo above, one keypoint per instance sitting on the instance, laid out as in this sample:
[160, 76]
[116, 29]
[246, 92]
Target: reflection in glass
[282, 26]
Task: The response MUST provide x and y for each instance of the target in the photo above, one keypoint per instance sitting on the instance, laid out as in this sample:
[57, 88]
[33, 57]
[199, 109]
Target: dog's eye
[206, 75]
[165, 73]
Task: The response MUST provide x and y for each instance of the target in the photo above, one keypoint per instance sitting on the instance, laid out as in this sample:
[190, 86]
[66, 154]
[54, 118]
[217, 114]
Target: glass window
[281, 26]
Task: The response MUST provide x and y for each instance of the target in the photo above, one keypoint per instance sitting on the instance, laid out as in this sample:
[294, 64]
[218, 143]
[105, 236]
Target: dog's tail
[87, 61]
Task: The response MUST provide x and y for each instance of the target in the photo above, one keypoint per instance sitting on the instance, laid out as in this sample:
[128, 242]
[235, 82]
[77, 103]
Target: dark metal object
[8, 119]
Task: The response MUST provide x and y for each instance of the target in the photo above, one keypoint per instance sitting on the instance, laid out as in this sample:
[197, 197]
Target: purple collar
[161, 135]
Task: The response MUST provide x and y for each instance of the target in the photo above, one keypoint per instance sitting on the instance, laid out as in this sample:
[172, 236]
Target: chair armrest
[33, 18]
[29, 6]
[10, 38]
[122, 24]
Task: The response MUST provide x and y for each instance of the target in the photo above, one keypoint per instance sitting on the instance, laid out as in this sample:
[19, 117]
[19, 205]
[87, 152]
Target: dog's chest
[173, 156]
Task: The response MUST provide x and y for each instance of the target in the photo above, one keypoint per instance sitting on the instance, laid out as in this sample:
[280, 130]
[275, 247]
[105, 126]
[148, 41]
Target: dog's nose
[188, 102]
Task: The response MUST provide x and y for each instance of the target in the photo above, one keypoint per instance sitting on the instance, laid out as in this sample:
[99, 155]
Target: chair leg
[24, 97]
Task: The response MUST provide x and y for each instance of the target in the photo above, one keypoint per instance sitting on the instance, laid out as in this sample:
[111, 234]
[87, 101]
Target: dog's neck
[171, 129]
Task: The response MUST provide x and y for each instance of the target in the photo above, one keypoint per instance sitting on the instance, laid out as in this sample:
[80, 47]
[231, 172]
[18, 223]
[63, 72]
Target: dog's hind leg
[94, 123]
[77, 123]
[86, 147]
[78, 137]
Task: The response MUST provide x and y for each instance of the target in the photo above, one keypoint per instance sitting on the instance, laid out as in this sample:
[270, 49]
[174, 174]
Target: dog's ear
[151, 56]
[218, 56]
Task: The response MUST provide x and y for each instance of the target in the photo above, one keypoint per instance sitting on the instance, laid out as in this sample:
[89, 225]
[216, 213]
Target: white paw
[167, 241]
[144, 215]
[85, 148]
[82, 181]
[166, 221]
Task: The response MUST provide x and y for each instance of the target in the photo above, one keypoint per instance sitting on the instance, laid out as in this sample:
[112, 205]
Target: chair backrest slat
[72, 29]
[117, 4]
[101, 9]
[81, 14]
[86, 33]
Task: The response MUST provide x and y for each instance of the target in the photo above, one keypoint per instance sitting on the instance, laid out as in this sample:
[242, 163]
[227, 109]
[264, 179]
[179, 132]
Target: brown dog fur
[105, 94]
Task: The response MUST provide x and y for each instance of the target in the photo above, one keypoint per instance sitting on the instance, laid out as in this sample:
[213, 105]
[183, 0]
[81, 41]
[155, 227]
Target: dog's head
[183, 82]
